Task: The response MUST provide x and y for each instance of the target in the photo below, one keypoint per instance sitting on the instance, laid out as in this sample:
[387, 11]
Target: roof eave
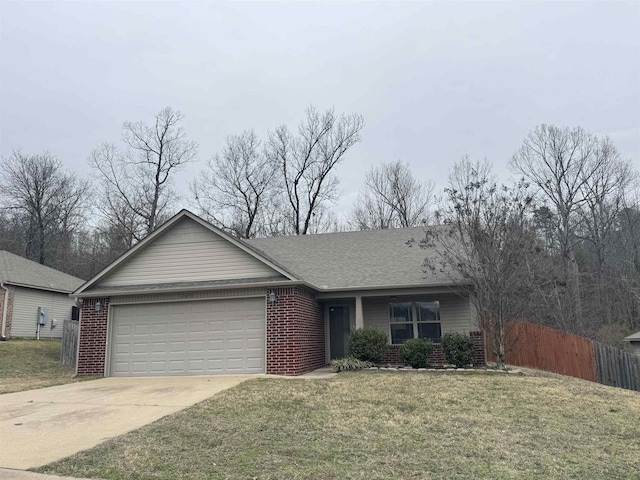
[110, 293]
[37, 287]
[385, 287]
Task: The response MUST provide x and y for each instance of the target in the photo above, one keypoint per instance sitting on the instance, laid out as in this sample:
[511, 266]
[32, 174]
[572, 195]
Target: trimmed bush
[349, 363]
[415, 352]
[458, 349]
[368, 344]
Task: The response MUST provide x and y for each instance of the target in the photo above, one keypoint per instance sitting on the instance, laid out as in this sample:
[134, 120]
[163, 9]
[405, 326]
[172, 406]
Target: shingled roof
[352, 260]
[16, 270]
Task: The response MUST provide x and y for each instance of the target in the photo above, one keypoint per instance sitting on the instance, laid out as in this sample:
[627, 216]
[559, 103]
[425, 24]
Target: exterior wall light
[272, 298]
[98, 306]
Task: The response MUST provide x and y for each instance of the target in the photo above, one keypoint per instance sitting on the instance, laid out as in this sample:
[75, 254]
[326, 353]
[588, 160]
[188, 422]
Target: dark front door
[339, 330]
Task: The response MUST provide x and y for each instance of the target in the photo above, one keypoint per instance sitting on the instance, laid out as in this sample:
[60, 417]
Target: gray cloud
[433, 80]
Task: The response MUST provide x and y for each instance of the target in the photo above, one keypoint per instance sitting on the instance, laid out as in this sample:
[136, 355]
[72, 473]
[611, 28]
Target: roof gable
[186, 249]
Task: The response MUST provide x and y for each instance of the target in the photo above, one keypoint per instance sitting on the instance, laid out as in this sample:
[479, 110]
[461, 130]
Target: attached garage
[205, 337]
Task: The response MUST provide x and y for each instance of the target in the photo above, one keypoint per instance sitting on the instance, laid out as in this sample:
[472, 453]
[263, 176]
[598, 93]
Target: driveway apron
[40, 426]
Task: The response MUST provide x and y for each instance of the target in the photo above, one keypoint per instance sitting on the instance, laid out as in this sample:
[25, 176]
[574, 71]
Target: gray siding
[455, 312]
[25, 311]
[187, 252]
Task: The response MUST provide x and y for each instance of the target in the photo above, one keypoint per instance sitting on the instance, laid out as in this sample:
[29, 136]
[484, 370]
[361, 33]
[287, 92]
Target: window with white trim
[414, 320]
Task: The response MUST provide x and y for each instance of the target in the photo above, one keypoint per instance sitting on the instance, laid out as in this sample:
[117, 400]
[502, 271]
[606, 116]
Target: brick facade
[7, 327]
[437, 354]
[295, 332]
[93, 337]
[295, 336]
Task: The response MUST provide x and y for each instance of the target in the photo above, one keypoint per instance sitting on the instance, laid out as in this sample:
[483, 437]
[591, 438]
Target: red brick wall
[437, 354]
[7, 326]
[295, 332]
[93, 337]
[393, 356]
[479, 358]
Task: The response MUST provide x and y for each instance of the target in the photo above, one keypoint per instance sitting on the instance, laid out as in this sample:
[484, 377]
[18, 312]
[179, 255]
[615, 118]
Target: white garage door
[188, 338]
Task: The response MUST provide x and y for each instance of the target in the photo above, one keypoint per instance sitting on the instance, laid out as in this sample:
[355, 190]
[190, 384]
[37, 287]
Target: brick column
[295, 332]
[92, 350]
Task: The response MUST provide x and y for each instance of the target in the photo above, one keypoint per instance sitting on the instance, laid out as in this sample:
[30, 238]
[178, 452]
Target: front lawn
[380, 425]
[29, 364]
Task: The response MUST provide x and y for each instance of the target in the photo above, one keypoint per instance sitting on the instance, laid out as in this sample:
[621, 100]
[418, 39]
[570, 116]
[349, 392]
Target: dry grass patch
[29, 364]
[380, 425]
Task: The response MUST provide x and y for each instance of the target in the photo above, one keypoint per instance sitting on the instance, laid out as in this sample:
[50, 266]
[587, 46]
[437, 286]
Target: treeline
[581, 201]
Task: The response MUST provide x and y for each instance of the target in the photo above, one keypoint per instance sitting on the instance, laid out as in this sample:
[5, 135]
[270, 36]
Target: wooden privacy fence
[69, 348]
[616, 367]
[537, 346]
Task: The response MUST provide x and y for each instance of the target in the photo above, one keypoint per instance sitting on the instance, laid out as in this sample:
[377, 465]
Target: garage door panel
[178, 327]
[159, 328]
[178, 347]
[197, 327]
[189, 338]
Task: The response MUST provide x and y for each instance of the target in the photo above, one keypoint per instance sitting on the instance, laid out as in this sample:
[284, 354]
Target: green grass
[29, 364]
[380, 425]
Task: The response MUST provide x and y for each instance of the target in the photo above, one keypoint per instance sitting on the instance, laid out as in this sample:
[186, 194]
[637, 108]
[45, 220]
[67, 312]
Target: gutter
[196, 288]
[3, 335]
[37, 287]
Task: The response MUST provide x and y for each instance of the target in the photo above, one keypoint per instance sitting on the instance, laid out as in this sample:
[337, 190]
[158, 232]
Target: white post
[359, 316]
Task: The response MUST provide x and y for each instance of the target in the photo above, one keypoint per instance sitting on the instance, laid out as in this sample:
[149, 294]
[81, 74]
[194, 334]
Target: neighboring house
[29, 291]
[190, 299]
[634, 340]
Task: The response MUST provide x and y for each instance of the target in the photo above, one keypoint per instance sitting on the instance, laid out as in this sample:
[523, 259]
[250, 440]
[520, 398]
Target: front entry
[339, 331]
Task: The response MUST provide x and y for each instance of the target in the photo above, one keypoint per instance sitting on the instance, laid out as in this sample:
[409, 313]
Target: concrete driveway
[40, 426]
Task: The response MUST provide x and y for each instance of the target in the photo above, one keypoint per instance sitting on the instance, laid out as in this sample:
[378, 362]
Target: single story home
[191, 300]
[34, 299]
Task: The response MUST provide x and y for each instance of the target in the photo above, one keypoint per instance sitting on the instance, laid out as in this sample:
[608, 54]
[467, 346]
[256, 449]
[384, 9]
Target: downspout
[3, 335]
[78, 302]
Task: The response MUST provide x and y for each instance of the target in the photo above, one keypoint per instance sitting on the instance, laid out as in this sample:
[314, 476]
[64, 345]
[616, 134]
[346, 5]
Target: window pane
[428, 311]
[400, 312]
[430, 331]
[401, 332]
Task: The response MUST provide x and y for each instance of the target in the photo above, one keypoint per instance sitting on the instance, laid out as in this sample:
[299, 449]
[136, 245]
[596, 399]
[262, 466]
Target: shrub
[415, 352]
[368, 344]
[458, 349]
[349, 363]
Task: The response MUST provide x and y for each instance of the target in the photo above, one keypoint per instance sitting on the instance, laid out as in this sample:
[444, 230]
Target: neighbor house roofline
[36, 287]
[168, 224]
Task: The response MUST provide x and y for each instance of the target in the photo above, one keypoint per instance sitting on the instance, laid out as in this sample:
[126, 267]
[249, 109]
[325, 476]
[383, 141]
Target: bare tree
[49, 200]
[604, 194]
[136, 192]
[237, 189]
[307, 160]
[487, 246]
[392, 198]
[561, 162]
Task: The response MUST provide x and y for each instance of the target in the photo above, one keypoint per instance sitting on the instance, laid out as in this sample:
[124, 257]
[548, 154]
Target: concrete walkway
[40, 426]
[10, 474]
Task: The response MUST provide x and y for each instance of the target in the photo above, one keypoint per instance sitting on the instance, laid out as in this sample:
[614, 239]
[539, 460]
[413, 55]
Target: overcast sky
[433, 80]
